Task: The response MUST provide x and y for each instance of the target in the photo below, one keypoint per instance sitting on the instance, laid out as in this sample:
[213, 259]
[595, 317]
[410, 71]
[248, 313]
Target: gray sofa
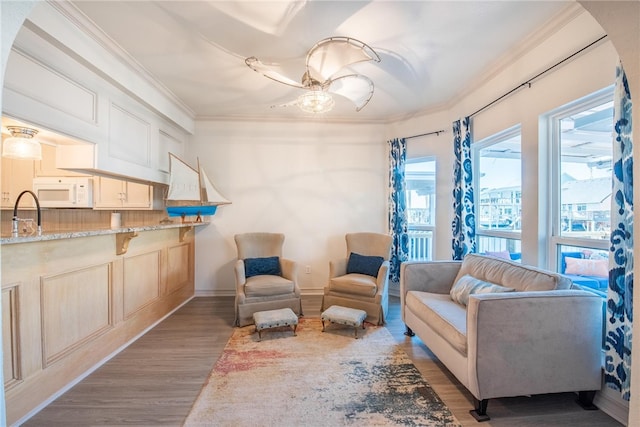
[535, 333]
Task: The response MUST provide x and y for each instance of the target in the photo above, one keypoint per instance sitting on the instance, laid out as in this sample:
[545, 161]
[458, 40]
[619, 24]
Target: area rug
[316, 379]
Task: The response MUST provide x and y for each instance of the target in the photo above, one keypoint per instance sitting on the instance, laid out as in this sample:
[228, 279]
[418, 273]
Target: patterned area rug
[316, 379]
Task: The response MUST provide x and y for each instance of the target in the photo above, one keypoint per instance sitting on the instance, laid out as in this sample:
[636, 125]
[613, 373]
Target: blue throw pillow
[258, 266]
[364, 264]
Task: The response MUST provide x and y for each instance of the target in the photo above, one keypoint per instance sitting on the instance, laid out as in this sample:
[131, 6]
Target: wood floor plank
[155, 381]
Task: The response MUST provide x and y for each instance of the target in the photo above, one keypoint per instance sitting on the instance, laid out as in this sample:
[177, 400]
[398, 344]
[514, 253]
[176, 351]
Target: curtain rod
[435, 132]
[528, 82]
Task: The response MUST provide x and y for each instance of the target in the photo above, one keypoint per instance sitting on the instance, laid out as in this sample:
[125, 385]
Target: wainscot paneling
[76, 308]
[70, 304]
[10, 341]
[141, 281]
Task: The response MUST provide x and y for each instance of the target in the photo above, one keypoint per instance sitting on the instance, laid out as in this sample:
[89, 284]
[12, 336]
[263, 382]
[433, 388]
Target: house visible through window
[420, 177]
[581, 138]
[498, 190]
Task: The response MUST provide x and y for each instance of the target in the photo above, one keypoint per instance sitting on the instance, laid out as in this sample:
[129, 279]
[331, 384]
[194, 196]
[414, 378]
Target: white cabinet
[47, 166]
[17, 176]
[112, 193]
[116, 134]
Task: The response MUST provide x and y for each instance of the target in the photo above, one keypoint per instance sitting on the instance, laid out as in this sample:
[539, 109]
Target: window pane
[499, 183]
[586, 267]
[421, 192]
[420, 177]
[499, 246]
[585, 172]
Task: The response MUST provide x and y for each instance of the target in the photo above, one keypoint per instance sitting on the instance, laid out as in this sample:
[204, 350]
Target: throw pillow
[468, 285]
[587, 267]
[258, 266]
[501, 254]
[364, 264]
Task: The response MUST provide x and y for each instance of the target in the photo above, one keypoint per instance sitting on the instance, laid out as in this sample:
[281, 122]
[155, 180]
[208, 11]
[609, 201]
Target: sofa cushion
[468, 285]
[511, 275]
[444, 316]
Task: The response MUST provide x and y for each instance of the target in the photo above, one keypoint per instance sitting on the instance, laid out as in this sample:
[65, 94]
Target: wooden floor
[155, 380]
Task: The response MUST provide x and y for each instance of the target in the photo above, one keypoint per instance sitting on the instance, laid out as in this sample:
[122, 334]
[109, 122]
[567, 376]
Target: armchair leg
[480, 413]
[585, 400]
[409, 332]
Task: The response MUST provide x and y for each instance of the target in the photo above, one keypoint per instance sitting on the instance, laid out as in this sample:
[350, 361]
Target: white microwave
[64, 192]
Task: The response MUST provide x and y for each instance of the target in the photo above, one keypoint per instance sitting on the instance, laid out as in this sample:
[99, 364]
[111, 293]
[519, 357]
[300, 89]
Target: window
[420, 177]
[497, 177]
[581, 138]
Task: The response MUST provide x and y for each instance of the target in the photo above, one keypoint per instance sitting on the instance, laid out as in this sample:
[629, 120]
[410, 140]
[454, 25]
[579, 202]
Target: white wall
[581, 76]
[313, 181]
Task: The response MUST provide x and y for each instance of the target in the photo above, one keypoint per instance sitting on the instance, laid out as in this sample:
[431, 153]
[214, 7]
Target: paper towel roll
[116, 220]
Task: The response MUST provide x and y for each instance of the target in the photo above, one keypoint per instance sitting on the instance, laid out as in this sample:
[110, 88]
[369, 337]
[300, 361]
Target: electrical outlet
[307, 269]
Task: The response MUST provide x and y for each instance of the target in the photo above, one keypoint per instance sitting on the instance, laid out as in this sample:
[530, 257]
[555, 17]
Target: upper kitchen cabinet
[119, 194]
[47, 166]
[60, 79]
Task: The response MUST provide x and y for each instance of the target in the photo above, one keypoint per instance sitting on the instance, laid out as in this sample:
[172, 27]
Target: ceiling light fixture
[316, 102]
[21, 144]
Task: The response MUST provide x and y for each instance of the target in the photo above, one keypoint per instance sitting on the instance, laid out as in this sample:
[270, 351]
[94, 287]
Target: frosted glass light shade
[22, 145]
[315, 101]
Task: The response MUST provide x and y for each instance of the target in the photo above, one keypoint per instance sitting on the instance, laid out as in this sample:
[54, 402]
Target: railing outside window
[420, 244]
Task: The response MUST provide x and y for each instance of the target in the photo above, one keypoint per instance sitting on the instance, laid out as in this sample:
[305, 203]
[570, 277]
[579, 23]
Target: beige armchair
[361, 279]
[264, 280]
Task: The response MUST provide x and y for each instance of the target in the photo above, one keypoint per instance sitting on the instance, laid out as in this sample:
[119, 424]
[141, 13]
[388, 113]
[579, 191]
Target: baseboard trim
[610, 402]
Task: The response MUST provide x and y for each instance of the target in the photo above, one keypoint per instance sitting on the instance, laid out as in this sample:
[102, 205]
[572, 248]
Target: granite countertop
[56, 235]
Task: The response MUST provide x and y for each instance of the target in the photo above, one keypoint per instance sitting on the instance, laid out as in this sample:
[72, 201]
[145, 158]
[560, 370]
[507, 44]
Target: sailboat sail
[191, 192]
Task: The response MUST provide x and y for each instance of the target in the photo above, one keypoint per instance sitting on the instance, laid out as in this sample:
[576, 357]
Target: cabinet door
[47, 166]
[137, 196]
[108, 193]
[17, 176]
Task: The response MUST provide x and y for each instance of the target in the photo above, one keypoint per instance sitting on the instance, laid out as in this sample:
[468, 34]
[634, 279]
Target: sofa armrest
[534, 342]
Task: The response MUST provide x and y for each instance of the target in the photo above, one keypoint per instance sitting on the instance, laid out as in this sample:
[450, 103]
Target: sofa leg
[585, 400]
[409, 332]
[480, 413]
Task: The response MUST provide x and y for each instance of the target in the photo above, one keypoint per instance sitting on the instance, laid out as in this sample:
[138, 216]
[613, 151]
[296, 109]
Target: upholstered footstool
[344, 316]
[273, 319]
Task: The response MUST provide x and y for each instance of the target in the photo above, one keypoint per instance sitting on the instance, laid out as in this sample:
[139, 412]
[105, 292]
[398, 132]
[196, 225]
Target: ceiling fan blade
[330, 55]
[270, 72]
[355, 87]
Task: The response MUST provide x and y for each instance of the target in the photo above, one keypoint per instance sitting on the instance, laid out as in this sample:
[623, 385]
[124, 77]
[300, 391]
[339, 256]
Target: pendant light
[22, 144]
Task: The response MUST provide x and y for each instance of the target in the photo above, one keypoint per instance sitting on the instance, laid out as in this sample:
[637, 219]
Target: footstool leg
[323, 326]
[259, 335]
[294, 330]
[355, 332]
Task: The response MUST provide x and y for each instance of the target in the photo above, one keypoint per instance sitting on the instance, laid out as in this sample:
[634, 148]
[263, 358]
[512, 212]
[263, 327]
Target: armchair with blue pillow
[264, 279]
[360, 280]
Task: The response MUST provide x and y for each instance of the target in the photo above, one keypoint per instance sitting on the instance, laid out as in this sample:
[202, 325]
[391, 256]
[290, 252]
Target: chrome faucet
[16, 220]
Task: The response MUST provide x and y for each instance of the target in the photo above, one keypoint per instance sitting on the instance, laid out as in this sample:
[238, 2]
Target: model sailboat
[190, 191]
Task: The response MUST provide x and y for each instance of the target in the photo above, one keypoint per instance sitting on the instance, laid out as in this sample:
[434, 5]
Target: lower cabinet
[63, 316]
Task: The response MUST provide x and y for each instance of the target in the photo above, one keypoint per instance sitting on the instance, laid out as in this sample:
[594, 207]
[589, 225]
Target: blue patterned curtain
[397, 207]
[463, 226]
[619, 319]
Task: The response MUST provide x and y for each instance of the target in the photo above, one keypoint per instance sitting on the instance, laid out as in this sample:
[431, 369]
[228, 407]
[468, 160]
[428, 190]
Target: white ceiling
[431, 51]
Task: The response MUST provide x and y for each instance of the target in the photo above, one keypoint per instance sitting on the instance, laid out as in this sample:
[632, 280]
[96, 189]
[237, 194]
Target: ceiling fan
[324, 74]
